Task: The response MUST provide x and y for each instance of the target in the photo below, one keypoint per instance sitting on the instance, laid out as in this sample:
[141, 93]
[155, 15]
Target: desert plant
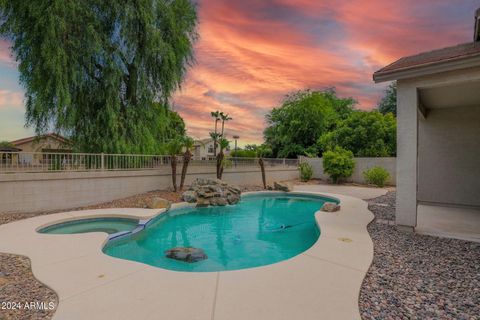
[306, 171]
[377, 176]
[338, 163]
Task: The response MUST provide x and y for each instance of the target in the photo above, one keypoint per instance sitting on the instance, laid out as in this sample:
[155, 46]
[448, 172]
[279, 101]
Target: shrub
[377, 176]
[306, 171]
[243, 154]
[338, 163]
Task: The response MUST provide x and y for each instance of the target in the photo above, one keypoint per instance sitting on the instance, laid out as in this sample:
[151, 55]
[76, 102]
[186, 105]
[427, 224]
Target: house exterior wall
[205, 151]
[414, 186]
[449, 157]
[407, 118]
[40, 144]
[30, 192]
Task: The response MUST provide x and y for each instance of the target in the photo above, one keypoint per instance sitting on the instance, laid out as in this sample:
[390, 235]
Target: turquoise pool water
[108, 225]
[262, 229]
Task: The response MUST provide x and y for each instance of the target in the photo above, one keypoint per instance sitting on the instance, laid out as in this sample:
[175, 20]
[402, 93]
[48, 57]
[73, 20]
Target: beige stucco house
[204, 149]
[438, 138]
[35, 149]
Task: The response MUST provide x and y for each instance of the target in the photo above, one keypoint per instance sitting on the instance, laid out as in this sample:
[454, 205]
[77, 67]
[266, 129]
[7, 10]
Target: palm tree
[223, 145]
[216, 115]
[263, 151]
[224, 117]
[174, 147]
[188, 144]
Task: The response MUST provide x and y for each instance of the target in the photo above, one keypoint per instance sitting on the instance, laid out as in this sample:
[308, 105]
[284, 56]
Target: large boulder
[159, 203]
[282, 186]
[330, 207]
[211, 192]
[189, 196]
[233, 198]
[218, 201]
[186, 254]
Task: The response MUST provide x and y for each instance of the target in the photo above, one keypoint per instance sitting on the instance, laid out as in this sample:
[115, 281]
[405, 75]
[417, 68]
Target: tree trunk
[262, 168]
[187, 156]
[173, 162]
[215, 140]
[219, 165]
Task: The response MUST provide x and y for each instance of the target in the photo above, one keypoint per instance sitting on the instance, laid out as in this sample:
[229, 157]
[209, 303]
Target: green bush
[243, 154]
[306, 171]
[377, 176]
[338, 163]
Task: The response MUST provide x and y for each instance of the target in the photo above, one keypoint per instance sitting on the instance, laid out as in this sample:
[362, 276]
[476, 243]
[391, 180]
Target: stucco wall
[28, 192]
[361, 164]
[449, 156]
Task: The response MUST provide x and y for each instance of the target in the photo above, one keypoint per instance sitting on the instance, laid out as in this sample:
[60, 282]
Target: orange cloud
[251, 53]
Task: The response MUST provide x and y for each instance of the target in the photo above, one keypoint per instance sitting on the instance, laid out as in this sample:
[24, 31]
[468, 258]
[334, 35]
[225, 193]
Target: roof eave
[427, 69]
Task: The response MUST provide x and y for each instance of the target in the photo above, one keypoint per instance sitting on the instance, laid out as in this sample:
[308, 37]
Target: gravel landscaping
[415, 276]
[19, 288]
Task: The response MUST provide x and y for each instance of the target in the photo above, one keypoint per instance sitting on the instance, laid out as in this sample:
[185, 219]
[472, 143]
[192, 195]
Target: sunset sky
[251, 53]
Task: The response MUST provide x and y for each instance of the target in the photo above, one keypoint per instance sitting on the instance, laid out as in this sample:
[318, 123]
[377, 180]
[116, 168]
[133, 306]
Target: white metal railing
[11, 162]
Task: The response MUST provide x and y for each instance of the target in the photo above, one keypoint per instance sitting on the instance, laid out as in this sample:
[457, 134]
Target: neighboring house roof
[33, 138]
[9, 149]
[428, 61]
[203, 141]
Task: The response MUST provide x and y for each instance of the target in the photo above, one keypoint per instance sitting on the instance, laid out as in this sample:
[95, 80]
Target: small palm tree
[188, 144]
[215, 136]
[174, 147]
[221, 156]
[263, 151]
[224, 117]
[216, 115]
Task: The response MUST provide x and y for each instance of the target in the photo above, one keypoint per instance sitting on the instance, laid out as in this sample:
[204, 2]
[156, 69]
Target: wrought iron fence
[11, 162]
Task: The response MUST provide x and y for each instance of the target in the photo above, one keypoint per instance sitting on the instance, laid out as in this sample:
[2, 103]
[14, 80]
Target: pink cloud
[5, 54]
[10, 99]
[252, 53]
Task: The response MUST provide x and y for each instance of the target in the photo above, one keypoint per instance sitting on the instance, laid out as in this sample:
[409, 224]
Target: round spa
[108, 225]
[262, 229]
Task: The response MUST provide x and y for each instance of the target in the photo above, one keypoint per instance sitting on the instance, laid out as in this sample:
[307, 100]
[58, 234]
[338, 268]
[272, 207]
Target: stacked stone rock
[211, 192]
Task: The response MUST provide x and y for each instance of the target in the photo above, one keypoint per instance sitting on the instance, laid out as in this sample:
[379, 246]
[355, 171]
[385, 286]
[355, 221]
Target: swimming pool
[262, 229]
[108, 225]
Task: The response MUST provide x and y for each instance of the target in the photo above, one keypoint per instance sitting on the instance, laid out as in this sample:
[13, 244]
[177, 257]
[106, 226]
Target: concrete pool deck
[322, 282]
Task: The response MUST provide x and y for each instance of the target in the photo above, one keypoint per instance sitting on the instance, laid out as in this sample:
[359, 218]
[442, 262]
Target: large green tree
[388, 103]
[295, 126]
[92, 69]
[366, 134]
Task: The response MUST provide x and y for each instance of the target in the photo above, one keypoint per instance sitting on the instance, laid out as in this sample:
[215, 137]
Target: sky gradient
[251, 53]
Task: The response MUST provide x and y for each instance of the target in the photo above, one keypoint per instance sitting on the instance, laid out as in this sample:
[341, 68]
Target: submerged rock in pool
[186, 254]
